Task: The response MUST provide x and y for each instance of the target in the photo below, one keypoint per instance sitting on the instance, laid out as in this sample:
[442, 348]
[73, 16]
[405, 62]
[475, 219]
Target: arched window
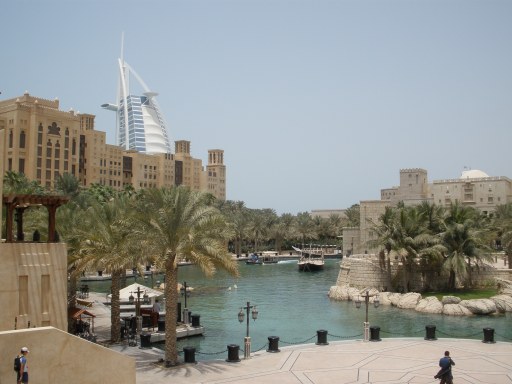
[57, 150]
[49, 148]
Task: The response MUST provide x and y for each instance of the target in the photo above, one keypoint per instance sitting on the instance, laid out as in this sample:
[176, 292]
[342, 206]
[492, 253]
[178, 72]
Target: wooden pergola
[16, 205]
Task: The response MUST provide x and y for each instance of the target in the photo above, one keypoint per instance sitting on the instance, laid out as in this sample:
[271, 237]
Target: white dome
[473, 174]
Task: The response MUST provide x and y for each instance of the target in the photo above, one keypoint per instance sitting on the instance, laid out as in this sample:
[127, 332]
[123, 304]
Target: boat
[253, 260]
[310, 259]
[269, 257]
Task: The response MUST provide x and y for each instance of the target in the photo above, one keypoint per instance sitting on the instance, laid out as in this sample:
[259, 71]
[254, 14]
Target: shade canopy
[124, 294]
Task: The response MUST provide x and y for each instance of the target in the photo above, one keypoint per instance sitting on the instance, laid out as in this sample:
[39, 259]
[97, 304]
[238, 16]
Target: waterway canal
[293, 305]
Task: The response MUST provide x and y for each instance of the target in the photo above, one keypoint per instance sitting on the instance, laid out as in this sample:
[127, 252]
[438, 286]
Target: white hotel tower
[140, 125]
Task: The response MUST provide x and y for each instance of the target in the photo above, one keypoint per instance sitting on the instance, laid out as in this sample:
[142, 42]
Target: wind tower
[140, 125]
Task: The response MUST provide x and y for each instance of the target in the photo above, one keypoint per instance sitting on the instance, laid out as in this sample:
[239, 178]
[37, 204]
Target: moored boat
[269, 257]
[310, 260]
[253, 260]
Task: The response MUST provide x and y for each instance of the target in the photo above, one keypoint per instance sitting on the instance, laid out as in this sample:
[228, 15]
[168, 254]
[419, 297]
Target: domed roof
[473, 174]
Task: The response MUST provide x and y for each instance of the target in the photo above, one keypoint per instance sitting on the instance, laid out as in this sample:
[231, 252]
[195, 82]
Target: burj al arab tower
[140, 124]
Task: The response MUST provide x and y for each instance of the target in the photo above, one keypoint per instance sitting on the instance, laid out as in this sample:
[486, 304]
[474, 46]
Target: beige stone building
[44, 142]
[473, 188]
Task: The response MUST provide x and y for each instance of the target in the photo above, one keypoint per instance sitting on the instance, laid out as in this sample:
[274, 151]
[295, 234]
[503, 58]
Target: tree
[353, 217]
[108, 241]
[462, 236]
[67, 184]
[503, 229]
[180, 223]
[305, 227]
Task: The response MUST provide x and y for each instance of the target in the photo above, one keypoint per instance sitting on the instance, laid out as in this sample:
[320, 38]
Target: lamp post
[376, 303]
[184, 293]
[241, 315]
[131, 299]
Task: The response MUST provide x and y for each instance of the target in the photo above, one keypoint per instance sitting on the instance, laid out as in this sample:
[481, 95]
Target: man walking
[23, 374]
[445, 373]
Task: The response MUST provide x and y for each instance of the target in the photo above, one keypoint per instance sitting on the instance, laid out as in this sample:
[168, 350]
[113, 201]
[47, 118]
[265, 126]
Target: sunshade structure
[131, 290]
[80, 316]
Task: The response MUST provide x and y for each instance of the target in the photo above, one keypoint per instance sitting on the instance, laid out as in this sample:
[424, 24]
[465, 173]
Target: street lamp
[131, 299]
[376, 303]
[241, 315]
[185, 293]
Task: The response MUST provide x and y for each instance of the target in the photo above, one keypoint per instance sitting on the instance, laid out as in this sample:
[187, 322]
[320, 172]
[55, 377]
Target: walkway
[388, 361]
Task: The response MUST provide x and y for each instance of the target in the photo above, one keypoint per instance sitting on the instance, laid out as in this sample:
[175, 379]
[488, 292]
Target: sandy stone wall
[58, 357]
[34, 285]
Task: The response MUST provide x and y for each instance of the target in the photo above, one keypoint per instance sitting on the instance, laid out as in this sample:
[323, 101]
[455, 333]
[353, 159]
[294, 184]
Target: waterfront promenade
[392, 360]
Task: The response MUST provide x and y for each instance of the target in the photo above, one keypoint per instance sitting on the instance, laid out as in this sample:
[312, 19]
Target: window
[22, 139]
[49, 148]
[10, 138]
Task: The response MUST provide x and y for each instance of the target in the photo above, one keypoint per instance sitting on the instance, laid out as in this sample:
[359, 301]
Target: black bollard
[161, 325]
[273, 344]
[190, 354]
[488, 336]
[321, 336]
[195, 320]
[145, 340]
[430, 332]
[233, 353]
[375, 333]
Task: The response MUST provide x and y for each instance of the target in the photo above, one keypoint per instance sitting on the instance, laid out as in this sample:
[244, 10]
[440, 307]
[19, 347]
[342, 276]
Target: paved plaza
[408, 360]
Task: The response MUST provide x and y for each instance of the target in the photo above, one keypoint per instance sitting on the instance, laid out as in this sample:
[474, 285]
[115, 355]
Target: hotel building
[473, 188]
[44, 142]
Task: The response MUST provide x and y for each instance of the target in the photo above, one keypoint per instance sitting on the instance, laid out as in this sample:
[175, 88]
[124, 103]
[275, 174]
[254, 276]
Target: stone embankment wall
[363, 271]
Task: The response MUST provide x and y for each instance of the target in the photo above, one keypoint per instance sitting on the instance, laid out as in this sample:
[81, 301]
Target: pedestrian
[23, 374]
[445, 373]
[156, 306]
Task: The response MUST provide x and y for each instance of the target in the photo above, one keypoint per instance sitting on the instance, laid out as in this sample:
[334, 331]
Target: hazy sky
[317, 104]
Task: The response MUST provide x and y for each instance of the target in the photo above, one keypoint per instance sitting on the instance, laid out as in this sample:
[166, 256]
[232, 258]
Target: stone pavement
[407, 360]
[392, 360]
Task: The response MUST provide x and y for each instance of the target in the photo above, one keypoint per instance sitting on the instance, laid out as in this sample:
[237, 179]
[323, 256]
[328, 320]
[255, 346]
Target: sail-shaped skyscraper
[140, 124]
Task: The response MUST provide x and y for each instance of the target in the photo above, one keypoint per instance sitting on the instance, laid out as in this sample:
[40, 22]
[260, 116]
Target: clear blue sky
[317, 104]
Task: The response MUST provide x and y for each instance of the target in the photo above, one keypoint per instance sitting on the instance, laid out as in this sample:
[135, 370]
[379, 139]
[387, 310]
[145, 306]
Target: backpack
[17, 363]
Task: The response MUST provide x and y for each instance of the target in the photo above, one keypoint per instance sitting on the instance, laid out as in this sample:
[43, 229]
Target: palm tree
[67, 184]
[462, 237]
[180, 223]
[353, 216]
[305, 227]
[108, 242]
[503, 229]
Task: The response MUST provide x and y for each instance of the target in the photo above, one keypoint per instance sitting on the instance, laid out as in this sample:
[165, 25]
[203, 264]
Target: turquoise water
[293, 305]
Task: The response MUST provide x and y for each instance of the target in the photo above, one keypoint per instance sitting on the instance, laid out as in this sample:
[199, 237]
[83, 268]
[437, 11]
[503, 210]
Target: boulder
[504, 286]
[456, 310]
[503, 303]
[409, 300]
[343, 292]
[430, 304]
[479, 306]
[336, 293]
[450, 300]
[384, 298]
[353, 293]
[394, 298]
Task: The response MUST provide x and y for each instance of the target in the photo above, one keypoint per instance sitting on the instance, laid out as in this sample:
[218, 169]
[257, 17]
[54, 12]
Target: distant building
[140, 124]
[473, 188]
[326, 213]
[43, 142]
